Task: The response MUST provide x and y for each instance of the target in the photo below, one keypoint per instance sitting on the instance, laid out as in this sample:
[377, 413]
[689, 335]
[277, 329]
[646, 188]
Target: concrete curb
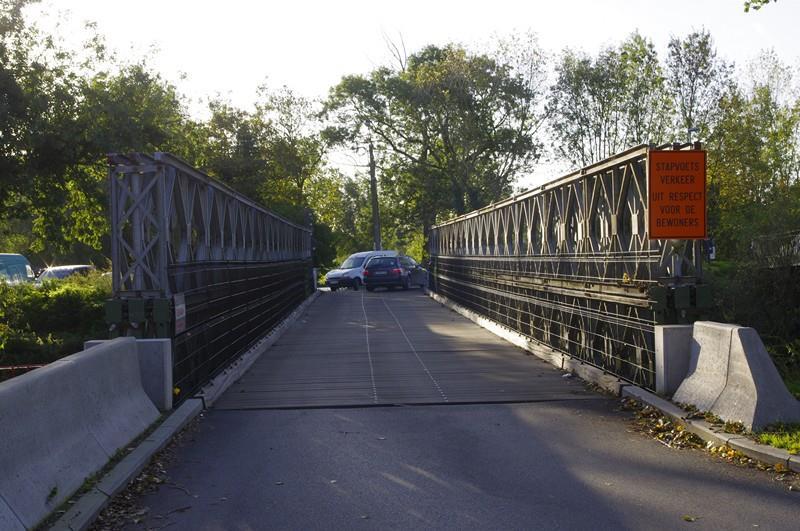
[709, 432]
[561, 361]
[89, 506]
[214, 389]
[704, 430]
[81, 515]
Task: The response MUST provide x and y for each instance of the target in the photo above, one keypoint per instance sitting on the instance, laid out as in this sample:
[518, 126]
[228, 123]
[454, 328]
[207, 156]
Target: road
[363, 416]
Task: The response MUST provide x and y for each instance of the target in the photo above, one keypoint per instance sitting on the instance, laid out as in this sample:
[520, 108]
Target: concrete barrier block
[155, 364]
[754, 394]
[673, 351]
[121, 409]
[51, 448]
[708, 365]
[66, 420]
[155, 367]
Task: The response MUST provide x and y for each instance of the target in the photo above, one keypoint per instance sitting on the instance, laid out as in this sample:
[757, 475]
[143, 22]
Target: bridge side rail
[197, 262]
[570, 265]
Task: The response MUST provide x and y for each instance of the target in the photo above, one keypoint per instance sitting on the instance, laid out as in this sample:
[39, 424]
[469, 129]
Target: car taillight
[397, 271]
[366, 273]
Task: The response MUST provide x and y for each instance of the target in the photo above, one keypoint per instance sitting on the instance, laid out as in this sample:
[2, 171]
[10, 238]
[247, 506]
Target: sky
[228, 48]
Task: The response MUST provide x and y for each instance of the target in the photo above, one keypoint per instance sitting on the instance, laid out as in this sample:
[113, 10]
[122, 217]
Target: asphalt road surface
[388, 411]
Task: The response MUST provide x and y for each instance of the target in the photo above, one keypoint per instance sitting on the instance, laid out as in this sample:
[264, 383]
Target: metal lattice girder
[777, 250]
[569, 264]
[590, 225]
[165, 213]
[198, 262]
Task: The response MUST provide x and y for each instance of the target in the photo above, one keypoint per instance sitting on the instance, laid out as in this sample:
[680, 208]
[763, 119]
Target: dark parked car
[393, 272]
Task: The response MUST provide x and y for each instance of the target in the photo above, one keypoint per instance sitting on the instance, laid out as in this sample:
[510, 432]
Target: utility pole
[373, 188]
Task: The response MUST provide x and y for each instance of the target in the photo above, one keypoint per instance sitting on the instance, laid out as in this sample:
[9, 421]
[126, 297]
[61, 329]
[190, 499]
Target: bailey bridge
[454, 406]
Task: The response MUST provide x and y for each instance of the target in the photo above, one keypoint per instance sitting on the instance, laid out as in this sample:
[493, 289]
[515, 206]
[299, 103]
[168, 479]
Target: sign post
[676, 195]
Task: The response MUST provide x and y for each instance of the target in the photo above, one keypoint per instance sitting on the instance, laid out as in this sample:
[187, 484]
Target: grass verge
[786, 436]
[650, 422]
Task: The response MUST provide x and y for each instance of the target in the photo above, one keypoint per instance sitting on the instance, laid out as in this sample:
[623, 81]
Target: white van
[15, 269]
[351, 273]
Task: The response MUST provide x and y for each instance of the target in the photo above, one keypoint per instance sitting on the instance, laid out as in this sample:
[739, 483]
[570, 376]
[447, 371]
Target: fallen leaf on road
[690, 518]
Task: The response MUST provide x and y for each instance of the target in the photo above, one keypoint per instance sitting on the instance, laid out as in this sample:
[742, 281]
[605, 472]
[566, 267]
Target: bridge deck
[384, 348]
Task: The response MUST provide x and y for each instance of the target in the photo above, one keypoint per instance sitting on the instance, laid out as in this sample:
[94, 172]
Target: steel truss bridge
[570, 266]
[197, 262]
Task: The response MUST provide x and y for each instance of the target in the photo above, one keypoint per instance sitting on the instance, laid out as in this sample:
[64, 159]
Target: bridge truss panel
[185, 244]
[164, 214]
[570, 265]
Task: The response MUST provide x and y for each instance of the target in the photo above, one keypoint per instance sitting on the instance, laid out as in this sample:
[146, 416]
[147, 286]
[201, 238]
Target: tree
[296, 149]
[647, 104]
[598, 107]
[585, 107]
[61, 112]
[41, 97]
[753, 169]
[697, 80]
[453, 128]
[274, 155]
[341, 206]
[755, 5]
[235, 147]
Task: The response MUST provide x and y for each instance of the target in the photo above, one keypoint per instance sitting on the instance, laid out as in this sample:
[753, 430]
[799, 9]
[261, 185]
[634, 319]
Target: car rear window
[382, 262]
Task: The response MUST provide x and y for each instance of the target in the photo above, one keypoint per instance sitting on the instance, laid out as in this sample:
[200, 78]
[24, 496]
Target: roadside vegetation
[650, 422]
[786, 436]
[42, 323]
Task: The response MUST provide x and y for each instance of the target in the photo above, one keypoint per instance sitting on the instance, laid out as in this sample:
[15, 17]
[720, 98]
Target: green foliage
[341, 204]
[753, 169]
[696, 79]
[601, 106]
[270, 154]
[453, 129]
[785, 436]
[755, 5]
[61, 113]
[39, 324]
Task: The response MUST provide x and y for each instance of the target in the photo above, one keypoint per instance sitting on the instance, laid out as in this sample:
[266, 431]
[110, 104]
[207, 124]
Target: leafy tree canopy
[455, 128]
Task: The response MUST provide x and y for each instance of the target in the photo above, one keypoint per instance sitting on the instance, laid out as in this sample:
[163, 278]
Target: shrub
[42, 323]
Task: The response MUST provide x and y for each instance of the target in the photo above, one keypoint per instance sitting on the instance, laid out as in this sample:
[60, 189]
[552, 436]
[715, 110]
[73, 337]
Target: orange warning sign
[677, 195]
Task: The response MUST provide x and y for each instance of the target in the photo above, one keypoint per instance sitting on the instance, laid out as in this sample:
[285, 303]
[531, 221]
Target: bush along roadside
[42, 323]
[672, 433]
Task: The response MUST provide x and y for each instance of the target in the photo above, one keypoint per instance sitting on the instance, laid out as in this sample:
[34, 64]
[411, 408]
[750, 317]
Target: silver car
[59, 272]
[351, 273]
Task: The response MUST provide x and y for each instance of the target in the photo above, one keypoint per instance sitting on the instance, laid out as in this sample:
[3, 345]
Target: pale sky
[229, 47]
